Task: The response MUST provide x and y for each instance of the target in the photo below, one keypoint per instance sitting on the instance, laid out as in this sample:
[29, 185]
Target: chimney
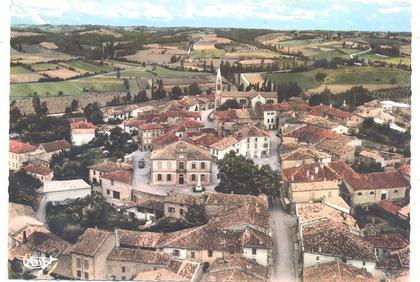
[331, 106]
[25, 238]
[307, 172]
[312, 177]
[316, 169]
[117, 238]
[319, 249]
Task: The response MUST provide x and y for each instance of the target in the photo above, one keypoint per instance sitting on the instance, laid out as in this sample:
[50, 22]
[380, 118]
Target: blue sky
[380, 15]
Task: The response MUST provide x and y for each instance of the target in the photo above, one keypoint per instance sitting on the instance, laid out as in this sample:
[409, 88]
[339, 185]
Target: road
[282, 226]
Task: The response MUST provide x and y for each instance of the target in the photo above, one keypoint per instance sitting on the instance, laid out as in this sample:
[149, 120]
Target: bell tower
[219, 89]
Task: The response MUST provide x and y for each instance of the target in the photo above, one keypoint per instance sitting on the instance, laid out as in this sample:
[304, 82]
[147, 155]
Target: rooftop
[389, 241]
[230, 201]
[37, 169]
[124, 176]
[82, 125]
[336, 271]
[184, 268]
[320, 212]
[18, 147]
[139, 256]
[322, 110]
[184, 199]
[181, 148]
[138, 239]
[314, 172]
[64, 185]
[150, 126]
[159, 275]
[56, 145]
[284, 106]
[90, 242]
[110, 166]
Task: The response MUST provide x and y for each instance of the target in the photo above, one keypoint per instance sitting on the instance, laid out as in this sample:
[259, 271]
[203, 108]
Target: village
[209, 155]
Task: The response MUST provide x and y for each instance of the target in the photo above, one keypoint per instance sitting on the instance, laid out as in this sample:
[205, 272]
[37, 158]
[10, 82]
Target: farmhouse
[180, 163]
[82, 132]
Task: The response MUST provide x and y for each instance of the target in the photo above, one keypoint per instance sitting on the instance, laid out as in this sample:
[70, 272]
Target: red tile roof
[82, 125]
[150, 126]
[310, 173]
[405, 169]
[323, 110]
[119, 175]
[133, 122]
[389, 241]
[284, 106]
[389, 206]
[37, 169]
[182, 113]
[206, 140]
[18, 147]
[90, 242]
[190, 123]
[56, 145]
[311, 134]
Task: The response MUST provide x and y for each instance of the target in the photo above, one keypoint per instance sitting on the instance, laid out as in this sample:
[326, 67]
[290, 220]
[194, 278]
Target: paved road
[283, 247]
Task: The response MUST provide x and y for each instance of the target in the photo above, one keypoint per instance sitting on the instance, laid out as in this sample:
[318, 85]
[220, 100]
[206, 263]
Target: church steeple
[219, 88]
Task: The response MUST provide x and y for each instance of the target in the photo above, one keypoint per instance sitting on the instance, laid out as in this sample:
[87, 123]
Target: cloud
[392, 10]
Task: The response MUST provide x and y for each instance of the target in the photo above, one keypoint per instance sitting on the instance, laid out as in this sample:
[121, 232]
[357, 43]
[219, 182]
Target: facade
[148, 132]
[82, 132]
[116, 185]
[19, 153]
[46, 150]
[180, 163]
[250, 141]
[58, 191]
[176, 204]
[107, 166]
[295, 156]
[275, 114]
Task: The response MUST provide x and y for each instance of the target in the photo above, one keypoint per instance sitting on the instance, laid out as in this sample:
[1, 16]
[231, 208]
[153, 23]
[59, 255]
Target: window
[193, 165]
[268, 120]
[85, 263]
[168, 164]
[359, 194]
[171, 210]
[181, 211]
[210, 253]
[329, 194]
[175, 253]
[108, 192]
[203, 165]
[202, 177]
[255, 145]
[86, 276]
[364, 263]
[317, 257]
[130, 215]
[116, 195]
[372, 193]
[79, 274]
[123, 278]
[159, 177]
[247, 140]
[122, 269]
[254, 251]
[181, 165]
[192, 254]
[192, 177]
[168, 177]
[94, 172]
[256, 139]
[395, 191]
[79, 263]
[112, 181]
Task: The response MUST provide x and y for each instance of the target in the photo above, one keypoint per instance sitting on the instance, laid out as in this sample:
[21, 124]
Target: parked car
[141, 163]
[198, 188]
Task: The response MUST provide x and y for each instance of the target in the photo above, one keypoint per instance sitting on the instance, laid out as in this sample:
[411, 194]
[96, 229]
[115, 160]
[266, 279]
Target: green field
[68, 87]
[329, 55]
[19, 70]
[348, 51]
[345, 76]
[152, 72]
[390, 60]
[210, 53]
[296, 42]
[44, 66]
[83, 67]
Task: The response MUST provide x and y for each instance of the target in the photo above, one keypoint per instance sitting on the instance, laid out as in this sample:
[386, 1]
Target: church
[247, 99]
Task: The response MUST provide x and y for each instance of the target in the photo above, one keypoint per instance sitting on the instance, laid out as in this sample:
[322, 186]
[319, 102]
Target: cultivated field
[44, 66]
[61, 73]
[35, 54]
[157, 72]
[29, 77]
[155, 55]
[90, 67]
[48, 45]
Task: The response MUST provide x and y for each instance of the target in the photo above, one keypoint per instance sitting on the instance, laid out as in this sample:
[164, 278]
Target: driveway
[283, 233]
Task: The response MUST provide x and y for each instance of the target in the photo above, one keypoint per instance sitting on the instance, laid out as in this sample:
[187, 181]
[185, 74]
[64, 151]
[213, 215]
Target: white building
[250, 141]
[60, 190]
[82, 132]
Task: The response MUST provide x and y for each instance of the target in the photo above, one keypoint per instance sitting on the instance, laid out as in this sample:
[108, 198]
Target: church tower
[219, 89]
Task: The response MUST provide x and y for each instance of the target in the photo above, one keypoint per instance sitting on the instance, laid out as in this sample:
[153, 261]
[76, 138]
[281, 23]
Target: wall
[331, 191]
[90, 269]
[82, 138]
[68, 194]
[374, 196]
[114, 269]
[101, 255]
[122, 187]
[261, 255]
[177, 212]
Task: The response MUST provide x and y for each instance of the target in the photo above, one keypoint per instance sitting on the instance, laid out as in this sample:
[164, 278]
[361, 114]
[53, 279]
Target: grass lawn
[345, 76]
[210, 53]
[68, 87]
[329, 55]
[19, 70]
[82, 66]
[389, 60]
[44, 66]
[297, 42]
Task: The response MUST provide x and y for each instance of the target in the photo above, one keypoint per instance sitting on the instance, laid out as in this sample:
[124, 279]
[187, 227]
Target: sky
[370, 15]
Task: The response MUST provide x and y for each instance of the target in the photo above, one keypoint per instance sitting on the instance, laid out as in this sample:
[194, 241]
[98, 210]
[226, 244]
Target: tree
[68, 111]
[320, 76]
[74, 106]
[229, 104]
[22, 187]
[40, 109]
[93, 113]
[14, 112]
[195, 215]
[194, 89]
[118, 73]
[176, 92]
[287, 90]
[240, 175]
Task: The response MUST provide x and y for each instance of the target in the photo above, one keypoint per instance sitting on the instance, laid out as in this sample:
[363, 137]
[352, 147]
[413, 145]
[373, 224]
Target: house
[176, 204]
[336, 271]
[116, 185]
[329, 241]
[19, 153]
[233, 119]
[118, 112]
[159, 275]
[298, 155]
[311, 182]
[198, 103]
[41, 172]
[89, 254]
[325, 123]
[205, 244]
[37, 244]
[236, 268]
[148, 132]
[180, 163]
[46, 150]
[275, 114]
[82, 132]
[370, 188]
[132, 125]
[174, 116]
[385, 243]
[58, 191]
[251, 141]
[22, 222]
[331, 113]
[102, 168]
[139, 239]
[127, 263]
[144, 209]
[370, 157]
